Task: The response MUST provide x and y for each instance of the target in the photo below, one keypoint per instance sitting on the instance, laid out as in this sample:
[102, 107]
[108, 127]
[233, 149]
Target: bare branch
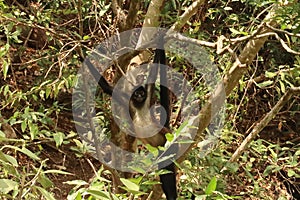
[180, 37]
[153, 13]
[217, 45]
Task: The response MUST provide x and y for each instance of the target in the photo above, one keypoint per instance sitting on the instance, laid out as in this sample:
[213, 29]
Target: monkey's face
[139, 95]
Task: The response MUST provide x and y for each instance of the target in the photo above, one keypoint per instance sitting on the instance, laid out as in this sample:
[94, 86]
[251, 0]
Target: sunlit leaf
[58, 138]
[5, 67]
[130, 185]
[291, 173]
[270, 74]
[99, 194]
[8, 158]
[211, 187]
[76, 182]
[25, 151]
[265, 84]
[7, 185]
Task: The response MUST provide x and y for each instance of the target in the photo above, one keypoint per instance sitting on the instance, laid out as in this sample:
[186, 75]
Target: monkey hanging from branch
[140, 100]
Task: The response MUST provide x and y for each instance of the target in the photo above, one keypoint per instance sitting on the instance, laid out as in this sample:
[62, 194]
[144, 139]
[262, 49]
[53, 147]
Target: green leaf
[7, 185]
[29, 153]
[291, 172]
[211, 187]
[45, 181]
[45, 193]
[25, 151]
[274, 155]
[99, 194]
[136, 180]
[8, 158]
[2, 134]
[130, 185]
[269, 169]
[34, 129]
[169, 137]
[48, 91]
[76, 182]
[4, 49]
[58, 138]
[6, 90]
[152, 149]
[282, 87]
[24, 126]
[104, 10]
[150, 182]
[5, 67]
[138, 169]
[234, 31]
[86, 37]
[181, 127]
[270, 74]
[265, 84]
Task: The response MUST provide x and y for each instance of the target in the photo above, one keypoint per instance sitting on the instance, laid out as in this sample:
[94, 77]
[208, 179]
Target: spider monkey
[140, 103]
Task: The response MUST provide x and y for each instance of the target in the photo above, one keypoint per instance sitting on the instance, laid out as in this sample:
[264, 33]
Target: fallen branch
[264, 122]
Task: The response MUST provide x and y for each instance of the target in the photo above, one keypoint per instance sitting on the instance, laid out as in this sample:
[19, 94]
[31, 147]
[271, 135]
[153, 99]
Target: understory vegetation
[255, 46]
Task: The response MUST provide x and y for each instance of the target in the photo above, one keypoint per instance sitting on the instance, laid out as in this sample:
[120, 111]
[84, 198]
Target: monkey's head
[139, 96]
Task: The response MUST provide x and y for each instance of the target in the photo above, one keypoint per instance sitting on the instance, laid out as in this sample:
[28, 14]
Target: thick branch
[231, 80]
[153, 13]
[132, 14]
[151, 20]
[121, 17]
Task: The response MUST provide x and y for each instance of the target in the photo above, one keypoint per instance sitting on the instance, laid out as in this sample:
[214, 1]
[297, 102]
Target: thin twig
[283, 44]
[282, 31]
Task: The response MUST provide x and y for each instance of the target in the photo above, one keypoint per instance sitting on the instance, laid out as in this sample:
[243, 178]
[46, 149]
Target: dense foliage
[42, 46]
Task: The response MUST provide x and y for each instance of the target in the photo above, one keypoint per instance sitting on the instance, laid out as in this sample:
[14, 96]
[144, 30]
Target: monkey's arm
[108, 89]
[168, 180]
[98, 77]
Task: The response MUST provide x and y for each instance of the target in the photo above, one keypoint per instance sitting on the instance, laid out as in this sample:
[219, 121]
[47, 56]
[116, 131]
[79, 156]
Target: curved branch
[283, 44]
[283, 31]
